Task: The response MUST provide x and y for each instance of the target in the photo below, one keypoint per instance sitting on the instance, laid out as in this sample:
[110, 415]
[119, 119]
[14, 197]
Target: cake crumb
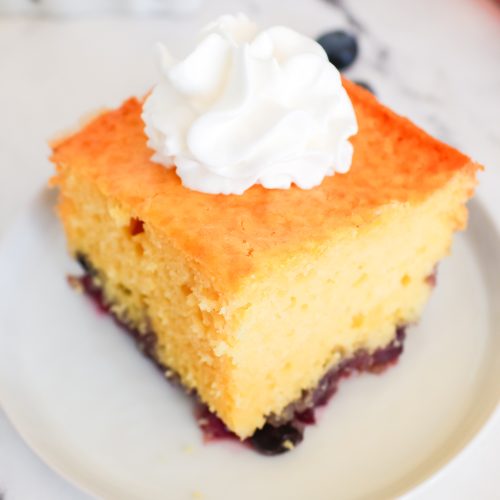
[75, 283]
[220, 348]
[188, 449]
[288, 445]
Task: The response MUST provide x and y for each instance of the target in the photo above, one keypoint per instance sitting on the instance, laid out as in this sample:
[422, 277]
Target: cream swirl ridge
[250, 107]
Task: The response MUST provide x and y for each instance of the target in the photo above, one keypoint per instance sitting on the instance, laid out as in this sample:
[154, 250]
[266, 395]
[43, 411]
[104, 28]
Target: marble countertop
[436, 62]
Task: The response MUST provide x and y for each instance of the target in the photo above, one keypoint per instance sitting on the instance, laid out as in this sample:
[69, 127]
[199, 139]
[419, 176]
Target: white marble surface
[436, 61]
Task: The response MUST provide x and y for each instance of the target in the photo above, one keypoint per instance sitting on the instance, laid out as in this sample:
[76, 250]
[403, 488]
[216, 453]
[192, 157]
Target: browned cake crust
[394, 161]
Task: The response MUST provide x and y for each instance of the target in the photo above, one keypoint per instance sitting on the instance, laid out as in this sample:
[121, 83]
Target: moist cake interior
[281, 433]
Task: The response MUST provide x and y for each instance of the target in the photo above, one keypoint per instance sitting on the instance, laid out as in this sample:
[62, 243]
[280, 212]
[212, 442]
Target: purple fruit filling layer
[281, 433]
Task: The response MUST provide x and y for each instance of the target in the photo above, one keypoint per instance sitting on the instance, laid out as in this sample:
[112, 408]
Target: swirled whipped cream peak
[249, 106]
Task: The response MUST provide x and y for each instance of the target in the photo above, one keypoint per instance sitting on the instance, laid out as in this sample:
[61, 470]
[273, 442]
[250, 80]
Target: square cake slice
[251, 299]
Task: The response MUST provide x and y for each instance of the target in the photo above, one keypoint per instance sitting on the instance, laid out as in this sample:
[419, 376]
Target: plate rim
[480, 204]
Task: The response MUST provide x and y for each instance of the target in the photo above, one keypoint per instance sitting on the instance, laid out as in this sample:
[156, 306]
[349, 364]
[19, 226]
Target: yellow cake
[253, 298]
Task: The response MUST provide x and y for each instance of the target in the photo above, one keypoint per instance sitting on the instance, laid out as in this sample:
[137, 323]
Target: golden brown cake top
[394, 161]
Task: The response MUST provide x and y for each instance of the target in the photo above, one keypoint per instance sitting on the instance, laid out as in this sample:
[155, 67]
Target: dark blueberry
[211, 425]
[340, 47]
[94, 292]
[306, 417]
[359, 363]
[401, 330]
[327, 387]
[276, 440]
[382, 358]
[83, 261]
[147, 343]
[365, 85]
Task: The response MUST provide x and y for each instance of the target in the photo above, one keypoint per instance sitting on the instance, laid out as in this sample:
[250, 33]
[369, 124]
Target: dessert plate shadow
[94, 409]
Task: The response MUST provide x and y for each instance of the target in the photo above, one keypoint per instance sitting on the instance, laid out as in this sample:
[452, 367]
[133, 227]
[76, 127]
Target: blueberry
[276, 440]
[340, 47]
[365, 85]
[85, 263]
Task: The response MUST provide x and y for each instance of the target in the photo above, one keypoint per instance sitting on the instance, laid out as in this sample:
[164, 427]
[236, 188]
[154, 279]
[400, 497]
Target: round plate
[78, 391]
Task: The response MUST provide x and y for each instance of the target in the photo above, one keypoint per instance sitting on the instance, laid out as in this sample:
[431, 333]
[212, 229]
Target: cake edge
[280, 433]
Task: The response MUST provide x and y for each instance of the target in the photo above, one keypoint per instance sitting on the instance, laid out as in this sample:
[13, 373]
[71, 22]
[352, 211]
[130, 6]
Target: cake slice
[250, 300]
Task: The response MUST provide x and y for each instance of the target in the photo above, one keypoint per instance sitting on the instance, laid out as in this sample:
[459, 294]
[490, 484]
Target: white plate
[77, 390]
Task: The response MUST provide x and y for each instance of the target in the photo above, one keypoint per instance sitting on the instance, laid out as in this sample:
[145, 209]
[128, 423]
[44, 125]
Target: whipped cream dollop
[250, 107]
